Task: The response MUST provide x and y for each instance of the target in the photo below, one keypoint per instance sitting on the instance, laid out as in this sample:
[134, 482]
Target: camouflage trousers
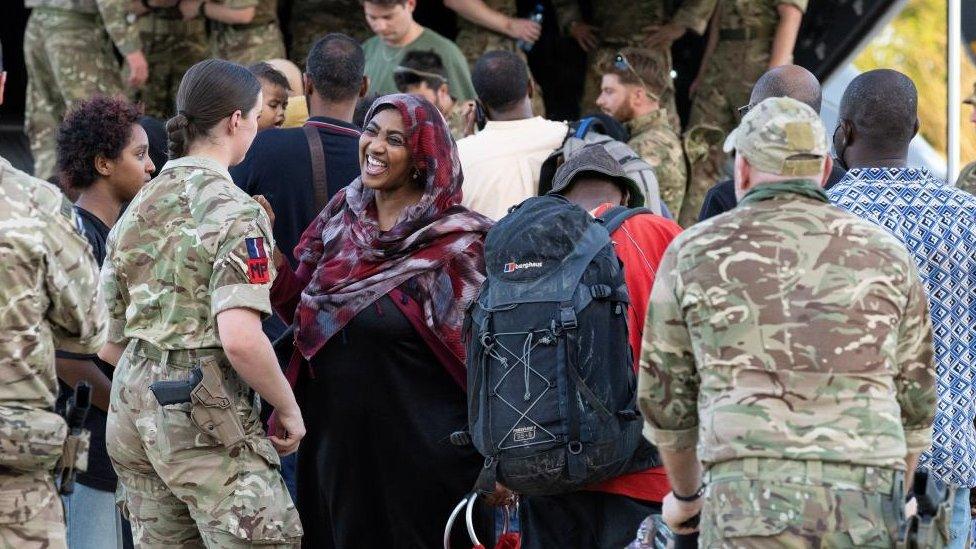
[591, 87]
[69, 58]
[725, 86]
[171, 48]
[31, 515]
[248, 44]
[758, 502]
[178, 485]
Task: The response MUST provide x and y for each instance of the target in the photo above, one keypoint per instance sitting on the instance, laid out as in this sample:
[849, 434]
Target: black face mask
[839, 150]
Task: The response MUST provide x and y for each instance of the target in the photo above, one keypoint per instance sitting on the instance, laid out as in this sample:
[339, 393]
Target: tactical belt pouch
[75, 456]
[213, 411]
[31, 439]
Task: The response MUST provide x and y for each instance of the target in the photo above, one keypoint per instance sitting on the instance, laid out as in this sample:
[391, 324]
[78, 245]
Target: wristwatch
[693, 497]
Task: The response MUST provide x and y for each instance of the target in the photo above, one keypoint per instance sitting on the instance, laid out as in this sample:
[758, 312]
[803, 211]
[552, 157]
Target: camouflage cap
[971, 99]
[595, 160]
[781, 136]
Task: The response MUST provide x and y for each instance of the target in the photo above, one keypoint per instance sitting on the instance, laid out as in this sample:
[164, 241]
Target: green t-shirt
[382, 59]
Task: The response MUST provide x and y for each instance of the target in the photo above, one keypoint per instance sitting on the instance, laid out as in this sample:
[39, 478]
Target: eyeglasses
[743, 109]
[621, 64]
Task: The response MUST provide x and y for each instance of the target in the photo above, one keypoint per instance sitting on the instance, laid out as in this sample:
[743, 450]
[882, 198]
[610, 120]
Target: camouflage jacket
[758, 15]
[623, 22]
[48, 288]
[967, 178]
[113, 13]
[190, 245]
[788, 328]
[654, 139]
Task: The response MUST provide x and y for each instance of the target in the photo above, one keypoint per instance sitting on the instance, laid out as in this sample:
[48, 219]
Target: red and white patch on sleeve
[257, 261]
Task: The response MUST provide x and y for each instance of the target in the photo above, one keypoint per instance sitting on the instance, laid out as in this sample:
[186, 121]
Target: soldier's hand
[662, 36]
[287, 430]
[138, 68]
[523, 29]
[585, 35]
[676, 512]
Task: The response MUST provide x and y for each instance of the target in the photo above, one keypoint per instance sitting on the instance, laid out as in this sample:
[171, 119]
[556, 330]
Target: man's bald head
[791, 81]
[881, 106]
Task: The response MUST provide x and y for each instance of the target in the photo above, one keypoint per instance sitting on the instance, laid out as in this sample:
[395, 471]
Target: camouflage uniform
[746, 31]
[259, 40]
[69, 58]
[312, 19]
[179, 255]
[48, 283]
[455, 119]
[475, 40]
[171, 46]
[791, 343]
[653, 137]
[621, 24]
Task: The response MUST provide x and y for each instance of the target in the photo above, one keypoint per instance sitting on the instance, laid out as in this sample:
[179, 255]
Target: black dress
[376, 468]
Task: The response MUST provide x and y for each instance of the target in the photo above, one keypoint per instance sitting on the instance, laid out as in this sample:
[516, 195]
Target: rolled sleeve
[241, 296]
[918, 440]
[677, 440]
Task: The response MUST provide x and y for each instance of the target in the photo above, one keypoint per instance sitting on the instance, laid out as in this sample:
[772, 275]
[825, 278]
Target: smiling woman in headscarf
[385, 274]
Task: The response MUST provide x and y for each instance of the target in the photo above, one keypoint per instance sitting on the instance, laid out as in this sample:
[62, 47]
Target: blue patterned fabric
[937, 223]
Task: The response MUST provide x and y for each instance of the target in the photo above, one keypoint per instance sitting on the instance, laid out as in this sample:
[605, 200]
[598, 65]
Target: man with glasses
[422, 73]
[786, 81]
[632, 85]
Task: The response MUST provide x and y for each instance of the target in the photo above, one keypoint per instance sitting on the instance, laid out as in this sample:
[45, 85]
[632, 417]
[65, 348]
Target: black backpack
[551, 387]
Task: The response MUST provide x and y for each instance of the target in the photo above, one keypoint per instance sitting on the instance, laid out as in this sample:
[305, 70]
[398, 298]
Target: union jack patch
[257, 261]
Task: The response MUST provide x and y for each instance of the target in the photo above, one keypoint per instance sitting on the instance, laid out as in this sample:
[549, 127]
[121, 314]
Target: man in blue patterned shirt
[937, 223]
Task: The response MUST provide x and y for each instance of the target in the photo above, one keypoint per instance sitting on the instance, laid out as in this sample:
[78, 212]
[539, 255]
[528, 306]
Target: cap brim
[729, 144]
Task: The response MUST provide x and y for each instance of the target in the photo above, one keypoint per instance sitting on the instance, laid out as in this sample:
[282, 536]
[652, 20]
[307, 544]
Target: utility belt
[213, 409]
[35, 439]
[865, 478]
[745, 34]
[159, 24]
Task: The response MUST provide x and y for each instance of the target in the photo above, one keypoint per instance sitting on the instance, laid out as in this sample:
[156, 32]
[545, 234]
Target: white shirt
[501, 163]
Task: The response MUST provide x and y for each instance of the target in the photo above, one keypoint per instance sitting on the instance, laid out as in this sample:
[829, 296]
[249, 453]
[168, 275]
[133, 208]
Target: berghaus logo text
[511, 267]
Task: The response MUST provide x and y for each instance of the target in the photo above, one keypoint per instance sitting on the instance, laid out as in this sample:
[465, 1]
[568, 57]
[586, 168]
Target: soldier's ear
[364, 87]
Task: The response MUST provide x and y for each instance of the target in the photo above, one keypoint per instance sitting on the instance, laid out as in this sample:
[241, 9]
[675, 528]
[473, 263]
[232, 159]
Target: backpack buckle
[567, 318]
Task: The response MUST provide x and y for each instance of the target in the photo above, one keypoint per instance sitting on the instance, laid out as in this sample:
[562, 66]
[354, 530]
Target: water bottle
[537, 17]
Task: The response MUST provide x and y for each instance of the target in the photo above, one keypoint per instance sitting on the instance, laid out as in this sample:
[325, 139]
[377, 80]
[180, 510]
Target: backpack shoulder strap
[320, 181]
[614, 217]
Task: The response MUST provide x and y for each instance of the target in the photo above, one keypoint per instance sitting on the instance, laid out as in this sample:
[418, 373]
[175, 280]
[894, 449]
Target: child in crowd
[275, 90]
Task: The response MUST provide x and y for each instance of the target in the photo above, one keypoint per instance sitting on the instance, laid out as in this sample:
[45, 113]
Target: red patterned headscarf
[435, 252]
